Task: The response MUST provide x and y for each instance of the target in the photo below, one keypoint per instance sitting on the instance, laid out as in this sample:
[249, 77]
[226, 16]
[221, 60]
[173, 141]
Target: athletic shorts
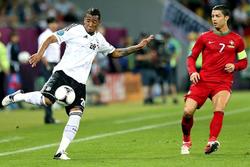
[203, 90]
[58, 79]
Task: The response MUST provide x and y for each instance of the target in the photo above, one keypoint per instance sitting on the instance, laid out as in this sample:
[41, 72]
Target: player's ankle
[212, 138]
[186, 138]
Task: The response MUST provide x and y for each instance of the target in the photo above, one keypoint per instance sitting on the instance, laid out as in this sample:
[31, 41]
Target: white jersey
[81, 49]
[53, 51]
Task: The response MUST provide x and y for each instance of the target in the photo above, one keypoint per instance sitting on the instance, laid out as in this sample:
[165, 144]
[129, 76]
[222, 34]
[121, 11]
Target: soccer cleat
[61, 156]
[10, 98]
[212, 147]
[185, 148]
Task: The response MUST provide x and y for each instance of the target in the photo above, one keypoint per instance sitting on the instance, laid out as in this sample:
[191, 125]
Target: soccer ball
[23, 57]
[65, 95]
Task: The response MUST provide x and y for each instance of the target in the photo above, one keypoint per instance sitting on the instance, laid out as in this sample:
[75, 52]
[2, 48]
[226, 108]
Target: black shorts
[149, 76]
[173, 76]
[163, 74]
[58, 79]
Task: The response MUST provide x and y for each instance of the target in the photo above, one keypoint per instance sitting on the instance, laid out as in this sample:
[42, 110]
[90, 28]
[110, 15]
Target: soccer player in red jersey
[223, 53]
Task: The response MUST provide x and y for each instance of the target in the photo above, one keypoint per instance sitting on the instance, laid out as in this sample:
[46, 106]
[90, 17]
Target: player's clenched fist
[229, 67]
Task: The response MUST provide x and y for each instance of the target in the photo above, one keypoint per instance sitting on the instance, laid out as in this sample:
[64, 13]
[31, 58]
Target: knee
[47, 101]
[188, 112]
[76, 111]
[220, 107]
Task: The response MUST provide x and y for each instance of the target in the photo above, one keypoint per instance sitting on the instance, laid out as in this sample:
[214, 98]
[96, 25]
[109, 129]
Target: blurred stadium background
[123, 22]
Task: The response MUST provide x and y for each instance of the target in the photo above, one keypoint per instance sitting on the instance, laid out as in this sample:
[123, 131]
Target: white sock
[69, 132]
[31, 97]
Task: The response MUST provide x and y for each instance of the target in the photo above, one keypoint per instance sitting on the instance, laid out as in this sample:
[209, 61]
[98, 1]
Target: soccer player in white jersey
[50, 59]
[83, 42]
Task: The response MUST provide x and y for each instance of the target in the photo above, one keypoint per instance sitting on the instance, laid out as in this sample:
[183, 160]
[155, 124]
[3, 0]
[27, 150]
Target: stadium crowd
[18, 13]
[162, 55]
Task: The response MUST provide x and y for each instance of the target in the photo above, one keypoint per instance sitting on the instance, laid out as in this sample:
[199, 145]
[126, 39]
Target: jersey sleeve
[105, 47]
[242, 61]
[241, 45]
[241, 53]
[198, 46]
[66, 33]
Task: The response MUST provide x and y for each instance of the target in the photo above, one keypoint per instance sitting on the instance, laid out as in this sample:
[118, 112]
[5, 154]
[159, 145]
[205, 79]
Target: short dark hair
[223, 8]
[51, 20]
[93, 12]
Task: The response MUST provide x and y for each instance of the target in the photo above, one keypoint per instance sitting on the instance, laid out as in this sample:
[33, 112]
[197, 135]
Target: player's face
[91, 23]
[53, 26]
[218, 19]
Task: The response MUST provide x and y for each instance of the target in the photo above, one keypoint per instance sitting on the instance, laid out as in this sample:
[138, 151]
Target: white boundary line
[11, 139]
[147, 117]
[118, 133]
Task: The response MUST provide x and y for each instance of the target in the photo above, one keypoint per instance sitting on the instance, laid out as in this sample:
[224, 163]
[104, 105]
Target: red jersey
[217, 51]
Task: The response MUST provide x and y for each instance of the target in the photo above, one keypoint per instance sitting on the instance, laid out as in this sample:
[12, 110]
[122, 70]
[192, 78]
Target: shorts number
[83, 102]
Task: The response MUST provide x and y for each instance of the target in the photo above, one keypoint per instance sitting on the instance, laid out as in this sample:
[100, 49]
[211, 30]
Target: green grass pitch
[127, 135]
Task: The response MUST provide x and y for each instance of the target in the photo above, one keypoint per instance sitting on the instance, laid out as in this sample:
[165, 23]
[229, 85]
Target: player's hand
[229, 67]
[145, 41]
[195, 77]
[34, 59]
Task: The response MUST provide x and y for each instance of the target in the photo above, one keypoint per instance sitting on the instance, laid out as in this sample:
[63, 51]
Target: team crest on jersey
[231, 42]
[60, 32]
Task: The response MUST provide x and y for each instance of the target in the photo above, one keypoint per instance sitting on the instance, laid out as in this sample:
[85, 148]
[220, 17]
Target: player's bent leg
[190, 107]
[35, 98]
[46, 101]
[9, 99]
[219, 101]
[69, 133]
[216, 125]
[187, 123]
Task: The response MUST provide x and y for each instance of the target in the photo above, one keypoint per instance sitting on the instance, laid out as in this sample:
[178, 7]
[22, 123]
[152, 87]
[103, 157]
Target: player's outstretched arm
[119, 52]
[35, 58]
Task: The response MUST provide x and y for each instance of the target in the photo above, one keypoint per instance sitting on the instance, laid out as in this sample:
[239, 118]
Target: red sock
[215, 125]
[186, 124]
